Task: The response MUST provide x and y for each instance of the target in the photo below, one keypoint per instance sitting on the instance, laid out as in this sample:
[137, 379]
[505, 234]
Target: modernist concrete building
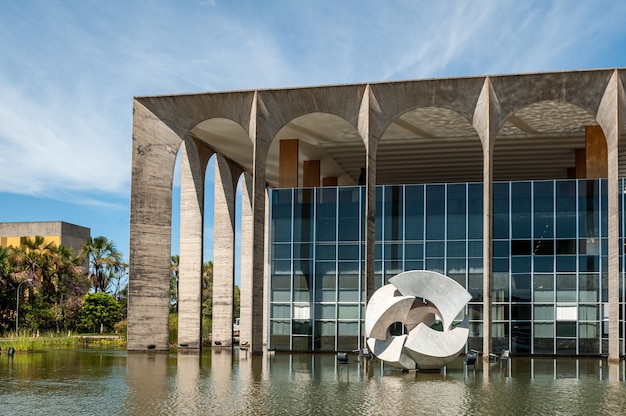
[512, 185]
[57, 232]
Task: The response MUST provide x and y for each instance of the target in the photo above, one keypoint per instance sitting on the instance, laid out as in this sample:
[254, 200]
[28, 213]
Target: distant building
[512, 185]
[58, 232]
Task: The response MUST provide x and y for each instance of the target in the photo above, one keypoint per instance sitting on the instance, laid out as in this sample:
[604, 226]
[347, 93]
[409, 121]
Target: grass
[26, 341]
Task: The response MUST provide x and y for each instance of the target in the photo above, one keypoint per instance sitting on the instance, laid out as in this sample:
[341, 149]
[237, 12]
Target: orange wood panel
[596, 151]
[288, 164]
[311, 173]
[330, 181]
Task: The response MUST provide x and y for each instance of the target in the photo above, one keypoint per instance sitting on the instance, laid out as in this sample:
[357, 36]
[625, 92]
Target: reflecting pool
[224, 382]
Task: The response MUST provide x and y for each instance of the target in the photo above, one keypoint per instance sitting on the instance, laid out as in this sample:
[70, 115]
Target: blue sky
[69, 71]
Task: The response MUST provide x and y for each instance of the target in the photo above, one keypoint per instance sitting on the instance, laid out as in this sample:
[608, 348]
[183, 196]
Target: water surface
[221, 382]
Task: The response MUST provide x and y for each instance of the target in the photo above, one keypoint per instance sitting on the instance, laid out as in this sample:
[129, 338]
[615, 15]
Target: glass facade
[550, 264]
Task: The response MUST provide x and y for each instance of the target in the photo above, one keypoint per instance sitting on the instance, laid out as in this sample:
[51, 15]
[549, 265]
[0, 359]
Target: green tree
[99, 311]
[174, 262]
[104, 260]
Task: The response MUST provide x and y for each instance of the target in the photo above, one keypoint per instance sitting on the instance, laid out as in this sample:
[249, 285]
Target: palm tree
[103, 258]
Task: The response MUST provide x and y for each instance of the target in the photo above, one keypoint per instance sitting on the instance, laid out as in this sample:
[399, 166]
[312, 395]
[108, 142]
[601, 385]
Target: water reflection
[230, 382]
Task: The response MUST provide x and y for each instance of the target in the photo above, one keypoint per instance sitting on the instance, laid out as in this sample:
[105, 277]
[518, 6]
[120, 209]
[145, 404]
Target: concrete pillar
[191, 236]
[223, 253]
[258, 245]
[611, 116]
[311, 173]
[371, 146]
[485, 122]
[288, 163]
[155, 147]
[245, 329]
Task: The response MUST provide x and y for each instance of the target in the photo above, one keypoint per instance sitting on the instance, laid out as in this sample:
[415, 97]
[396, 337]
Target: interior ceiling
[425, 145]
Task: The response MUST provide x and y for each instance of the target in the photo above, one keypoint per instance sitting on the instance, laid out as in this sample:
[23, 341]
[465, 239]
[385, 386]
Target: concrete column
[191, 239]
[223, 253]
[288, 163]
[258, 246]
[371, 146]
[611, 116]
[485, 122]
[245, 329]
[155, 147]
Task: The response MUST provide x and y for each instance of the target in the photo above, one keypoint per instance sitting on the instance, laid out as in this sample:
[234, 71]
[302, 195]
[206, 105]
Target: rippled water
[79, 382]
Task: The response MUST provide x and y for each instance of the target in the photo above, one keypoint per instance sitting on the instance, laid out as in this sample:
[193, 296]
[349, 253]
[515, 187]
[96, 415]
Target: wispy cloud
[69, 70]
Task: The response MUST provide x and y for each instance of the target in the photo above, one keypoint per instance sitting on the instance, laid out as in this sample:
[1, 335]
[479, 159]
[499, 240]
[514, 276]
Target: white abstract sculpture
[417, 299]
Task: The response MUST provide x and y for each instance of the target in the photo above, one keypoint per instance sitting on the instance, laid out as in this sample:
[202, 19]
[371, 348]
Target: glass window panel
[543, 285]
[566, 263]
[521, 247]
[501, 249]
[435, 265]
[302, 250]
[393, 215]
[566, 209]
[544, 330]
[543, 247]
[414, 251]
[500, 312]
[456, 248]
[325, 251]
[500, 287]
[566, 288]
[326, 225]
[304, 267]
[588, 208]
[303, 215]
[281, 295]
[324, 311]
[500, 210]
[349, 281]
[280, 327]
[393, 251]
[349, 311]
[520, 312]
[435, 212]
[301, 311]
[349, 251]
[457, 266]
[414, 265]
[475, 283]
[520, 264]
[543, 206]
[589, 330]
[521, 287]
[281, 214]
[475, 265]
[589, 312]
[475, 248]
[520, 210]
[566, 246]
[500, 265]
[414, 228]
[325, 281]
[589, 263]
[325, 328]
[281, 311]
[379, 214]
[435, 249]
[349, 214]
[544, 312]
[301, 327]
[392, 268]
[566, 329]
[475, 312]
[543, 263]
[456, 211]
[566, 313]
[475, 210]
[281, 251]
[588, 287]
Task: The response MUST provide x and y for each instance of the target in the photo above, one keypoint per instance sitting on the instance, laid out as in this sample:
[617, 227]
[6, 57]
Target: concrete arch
[330, 141]
[418, 143]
